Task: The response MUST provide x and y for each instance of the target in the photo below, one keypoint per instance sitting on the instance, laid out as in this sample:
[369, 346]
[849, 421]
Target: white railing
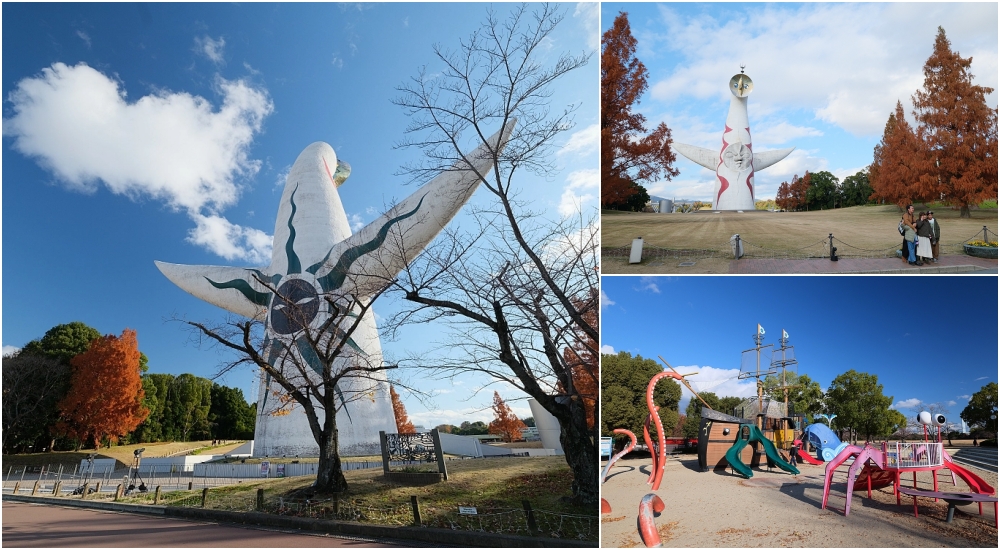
[913, 455]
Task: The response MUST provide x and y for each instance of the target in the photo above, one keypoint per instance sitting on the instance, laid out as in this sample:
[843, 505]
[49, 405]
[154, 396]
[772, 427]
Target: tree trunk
[581, 452]
[965, 212]
[329, 475]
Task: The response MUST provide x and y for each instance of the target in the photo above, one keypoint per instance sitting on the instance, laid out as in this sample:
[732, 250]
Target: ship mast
[758, 339]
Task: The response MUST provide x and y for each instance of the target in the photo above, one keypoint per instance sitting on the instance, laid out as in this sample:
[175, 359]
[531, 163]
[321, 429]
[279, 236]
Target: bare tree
[517, 290]
[321, 369]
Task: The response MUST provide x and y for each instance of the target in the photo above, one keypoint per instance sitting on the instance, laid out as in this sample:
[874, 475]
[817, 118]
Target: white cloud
[648, 283]
[337, 61]
[572, 199]
[607, 350]
[965, 397]
[85, 37]
[170, 146]
[229, 240]
[211, 48]
[356, 222]
[981, 378]
[589, 15]
[10, 350]
[848, 64]
[952, 403]
[583, 141]
[605, 301]
[282, 178]
[911, 403]
[721, 382]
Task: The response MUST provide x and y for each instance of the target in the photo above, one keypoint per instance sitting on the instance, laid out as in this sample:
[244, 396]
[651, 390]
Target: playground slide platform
[755, 435]
[879, 478]
[977, 483]
[808, 458]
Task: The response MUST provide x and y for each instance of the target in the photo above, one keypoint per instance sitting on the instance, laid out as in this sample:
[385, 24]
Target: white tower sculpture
[316, 264]
[735, 163]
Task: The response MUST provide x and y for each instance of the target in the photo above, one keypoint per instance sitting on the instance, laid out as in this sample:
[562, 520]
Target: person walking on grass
[910, 236]
[924, 235]
[936, 237]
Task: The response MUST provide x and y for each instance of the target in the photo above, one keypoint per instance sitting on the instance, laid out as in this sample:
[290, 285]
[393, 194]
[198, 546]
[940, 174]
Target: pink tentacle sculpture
[605, 507]
[650, 505]
[662, 458]
[628, 449]
[649, 446]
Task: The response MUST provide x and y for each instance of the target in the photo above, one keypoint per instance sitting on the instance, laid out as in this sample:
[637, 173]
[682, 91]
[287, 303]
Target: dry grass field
[704, 237]
[122, 453]
[868, 227]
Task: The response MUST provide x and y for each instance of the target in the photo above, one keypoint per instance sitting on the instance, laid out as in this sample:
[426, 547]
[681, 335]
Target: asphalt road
[35, 526]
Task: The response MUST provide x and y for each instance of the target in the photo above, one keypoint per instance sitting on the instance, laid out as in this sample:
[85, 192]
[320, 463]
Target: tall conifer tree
[628, 158]
[958, 129]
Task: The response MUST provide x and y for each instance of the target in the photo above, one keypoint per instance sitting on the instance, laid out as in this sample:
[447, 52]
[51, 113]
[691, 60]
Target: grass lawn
[122, 453]
[495, 486]
[868, 227]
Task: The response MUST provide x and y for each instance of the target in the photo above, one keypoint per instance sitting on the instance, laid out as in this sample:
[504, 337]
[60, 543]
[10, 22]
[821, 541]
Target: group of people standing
[921, 236]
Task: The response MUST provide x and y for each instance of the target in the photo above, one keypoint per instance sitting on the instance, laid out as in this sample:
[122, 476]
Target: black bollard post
[833, 250]
[416, 510]
[204, 496]
[532, 524]
[260, 500]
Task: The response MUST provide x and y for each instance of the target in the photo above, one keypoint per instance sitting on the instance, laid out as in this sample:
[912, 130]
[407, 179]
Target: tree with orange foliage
[628, 158]
[105, 397]
[894, 171]
[505, 423]
[958, 130]
[582, 358]
[403, 424]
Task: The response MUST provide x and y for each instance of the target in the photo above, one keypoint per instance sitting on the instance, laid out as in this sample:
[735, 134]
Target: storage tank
[666, 206]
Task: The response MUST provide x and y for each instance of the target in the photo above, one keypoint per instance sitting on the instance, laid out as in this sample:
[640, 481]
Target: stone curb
[422, 534]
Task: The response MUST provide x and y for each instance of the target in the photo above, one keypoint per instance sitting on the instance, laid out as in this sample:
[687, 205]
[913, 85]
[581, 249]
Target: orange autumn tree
[893, 173]
[105, 397]
[628, 157]
[958, 130]
[582, 359]
[403, 424]
[505, 423]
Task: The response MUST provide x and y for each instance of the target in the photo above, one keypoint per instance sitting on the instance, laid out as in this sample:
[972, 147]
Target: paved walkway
[38, 526]
[893, 266]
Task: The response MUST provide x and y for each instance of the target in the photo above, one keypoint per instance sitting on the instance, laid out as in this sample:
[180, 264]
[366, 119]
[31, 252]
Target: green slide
[748, 434]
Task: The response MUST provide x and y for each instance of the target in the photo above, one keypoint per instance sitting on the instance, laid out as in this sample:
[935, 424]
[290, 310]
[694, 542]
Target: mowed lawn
[868, 227]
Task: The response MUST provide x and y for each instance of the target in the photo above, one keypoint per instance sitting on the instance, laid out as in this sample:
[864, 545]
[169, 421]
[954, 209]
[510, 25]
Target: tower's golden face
[740, 85]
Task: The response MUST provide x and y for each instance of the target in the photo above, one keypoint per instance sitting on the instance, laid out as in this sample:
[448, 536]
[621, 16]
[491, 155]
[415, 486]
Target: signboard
[467, 510]
[606, 447]
[280, 470]
[264, 467]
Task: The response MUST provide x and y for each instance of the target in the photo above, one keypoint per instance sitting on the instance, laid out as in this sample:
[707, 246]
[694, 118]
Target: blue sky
[141, 132]
[826, 76]
[928, 339]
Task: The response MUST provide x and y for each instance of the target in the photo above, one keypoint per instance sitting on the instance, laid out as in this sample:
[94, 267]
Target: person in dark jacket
[936, 238]
[910, 237]
[925, 232]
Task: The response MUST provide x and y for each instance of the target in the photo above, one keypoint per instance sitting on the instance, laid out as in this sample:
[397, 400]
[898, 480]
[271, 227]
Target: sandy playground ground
[775, 509]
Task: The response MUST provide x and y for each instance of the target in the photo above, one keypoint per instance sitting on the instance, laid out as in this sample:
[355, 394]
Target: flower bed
[981, 249]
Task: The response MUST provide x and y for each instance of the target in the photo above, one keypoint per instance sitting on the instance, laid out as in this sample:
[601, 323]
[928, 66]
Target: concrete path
[43, 526]
[893, 266]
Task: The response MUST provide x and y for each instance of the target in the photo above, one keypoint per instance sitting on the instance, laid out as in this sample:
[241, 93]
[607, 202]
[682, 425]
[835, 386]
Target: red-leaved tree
[958, 130]
[403, 424]
[505, 423]
[628, 157]
[105, 397]
[895, 169]
[583, 359]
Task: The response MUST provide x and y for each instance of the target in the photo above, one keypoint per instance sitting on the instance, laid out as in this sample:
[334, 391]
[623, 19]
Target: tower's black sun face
[294, 307]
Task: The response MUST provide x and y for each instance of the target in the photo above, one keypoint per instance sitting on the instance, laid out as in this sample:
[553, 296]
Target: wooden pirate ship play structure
[759, 425]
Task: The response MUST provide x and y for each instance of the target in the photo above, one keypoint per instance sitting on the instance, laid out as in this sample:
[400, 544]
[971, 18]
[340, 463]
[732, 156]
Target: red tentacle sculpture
[662, 458]
[628, 449]
[650, 505]
[649, 447]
